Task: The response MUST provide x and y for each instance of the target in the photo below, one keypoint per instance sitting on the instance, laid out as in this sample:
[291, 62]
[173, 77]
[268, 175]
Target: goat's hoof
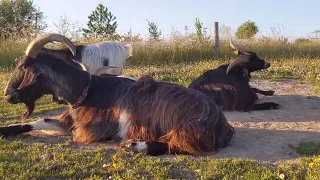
[269, 93]
[277, 106]
[274, 105]
[135, 146]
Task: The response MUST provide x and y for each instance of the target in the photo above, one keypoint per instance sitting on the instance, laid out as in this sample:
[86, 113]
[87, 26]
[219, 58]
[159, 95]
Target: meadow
[179, 60]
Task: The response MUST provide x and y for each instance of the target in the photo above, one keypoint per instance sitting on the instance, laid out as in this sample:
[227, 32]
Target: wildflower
[317, 160]
[281, 176]
[114, 157]
[311, 165]
[104, 165]
[115, 165]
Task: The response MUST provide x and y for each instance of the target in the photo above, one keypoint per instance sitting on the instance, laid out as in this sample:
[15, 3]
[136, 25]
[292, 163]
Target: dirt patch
[260, 135]
[266, 135]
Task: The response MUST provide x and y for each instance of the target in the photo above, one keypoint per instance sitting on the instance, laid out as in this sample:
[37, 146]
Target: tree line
[21, 18]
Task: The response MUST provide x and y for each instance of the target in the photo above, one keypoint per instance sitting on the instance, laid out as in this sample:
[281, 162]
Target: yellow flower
[310, 165]
[317, 160]
[104, 165]
[114, 157]
[114, 165]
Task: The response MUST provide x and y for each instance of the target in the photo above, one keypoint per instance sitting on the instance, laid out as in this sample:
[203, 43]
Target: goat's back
[105, 54]
[231, 92]
[173, 114]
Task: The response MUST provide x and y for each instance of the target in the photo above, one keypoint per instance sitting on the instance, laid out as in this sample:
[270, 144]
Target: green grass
[308, 148]
[177, 62]
[25, 161]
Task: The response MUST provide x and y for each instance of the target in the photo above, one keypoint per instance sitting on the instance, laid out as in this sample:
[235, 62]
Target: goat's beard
[29, 96]
[30, 108]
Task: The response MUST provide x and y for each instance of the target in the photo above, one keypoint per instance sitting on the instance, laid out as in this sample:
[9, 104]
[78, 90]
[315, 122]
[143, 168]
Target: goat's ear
[240, 61]
[30, 77]
[83, 66]
[246, 74]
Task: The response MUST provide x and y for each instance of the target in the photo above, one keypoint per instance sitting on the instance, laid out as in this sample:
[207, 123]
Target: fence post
[216, 40]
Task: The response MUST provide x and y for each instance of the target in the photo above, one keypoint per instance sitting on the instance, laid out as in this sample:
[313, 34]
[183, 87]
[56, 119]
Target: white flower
[281, 176]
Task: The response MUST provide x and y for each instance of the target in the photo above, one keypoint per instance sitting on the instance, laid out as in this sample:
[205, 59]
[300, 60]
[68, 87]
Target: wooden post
[216, 40]
[130, 35]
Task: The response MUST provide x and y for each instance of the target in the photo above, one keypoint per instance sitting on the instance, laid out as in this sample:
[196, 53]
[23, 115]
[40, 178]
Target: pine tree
[198, 25]
[101, 23]
[154, 33]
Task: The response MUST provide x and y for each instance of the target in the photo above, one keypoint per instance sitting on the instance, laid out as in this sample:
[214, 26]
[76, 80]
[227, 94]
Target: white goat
[107, 53]
[93, 56]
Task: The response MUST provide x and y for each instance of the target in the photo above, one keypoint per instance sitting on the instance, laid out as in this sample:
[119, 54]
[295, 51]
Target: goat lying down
[143, 115]
[229, 85]
[104, 57]
[92, 56]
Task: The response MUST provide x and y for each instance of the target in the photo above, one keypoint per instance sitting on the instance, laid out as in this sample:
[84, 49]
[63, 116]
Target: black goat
[147, 116]
[103, 57]
[229, 85]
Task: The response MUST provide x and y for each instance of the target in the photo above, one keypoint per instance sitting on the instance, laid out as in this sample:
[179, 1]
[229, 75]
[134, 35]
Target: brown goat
[145, 115]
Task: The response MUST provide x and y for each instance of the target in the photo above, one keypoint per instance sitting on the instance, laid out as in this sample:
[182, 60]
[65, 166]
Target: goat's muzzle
[266, 64]
[12, 96]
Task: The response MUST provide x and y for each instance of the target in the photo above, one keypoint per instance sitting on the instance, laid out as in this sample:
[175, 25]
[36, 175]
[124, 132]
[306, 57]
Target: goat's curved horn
[233, 46]
[237, 62]
[35, 45]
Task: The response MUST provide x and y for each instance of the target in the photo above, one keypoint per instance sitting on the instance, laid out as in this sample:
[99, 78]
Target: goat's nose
[9, 91]
[266, 65]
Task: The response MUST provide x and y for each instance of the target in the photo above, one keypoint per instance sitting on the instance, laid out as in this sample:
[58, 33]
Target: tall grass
[9, 50]
[182, 49]
[186, 50]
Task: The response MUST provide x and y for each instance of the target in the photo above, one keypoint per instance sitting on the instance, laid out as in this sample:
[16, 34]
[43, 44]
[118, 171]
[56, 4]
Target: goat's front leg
[266, 93]
[41, 124]
[14, 130]
[266, 106]
[152, 148]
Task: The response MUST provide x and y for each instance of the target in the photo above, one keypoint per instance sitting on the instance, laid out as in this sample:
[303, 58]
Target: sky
[292, 18]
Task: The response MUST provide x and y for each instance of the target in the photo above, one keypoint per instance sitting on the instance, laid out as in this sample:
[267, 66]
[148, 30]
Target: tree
[154, 33]
[247, 30]
[101, 23]
[20, 18]
[186, 30]
[67, 28]
[198, 25]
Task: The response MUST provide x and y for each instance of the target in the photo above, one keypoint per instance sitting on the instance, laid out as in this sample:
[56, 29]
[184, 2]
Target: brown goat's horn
[236, 62]
[35, 46]
[235, 47]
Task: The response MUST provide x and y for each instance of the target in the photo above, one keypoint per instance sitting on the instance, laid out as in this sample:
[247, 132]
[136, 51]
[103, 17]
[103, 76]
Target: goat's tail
[129, 49]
